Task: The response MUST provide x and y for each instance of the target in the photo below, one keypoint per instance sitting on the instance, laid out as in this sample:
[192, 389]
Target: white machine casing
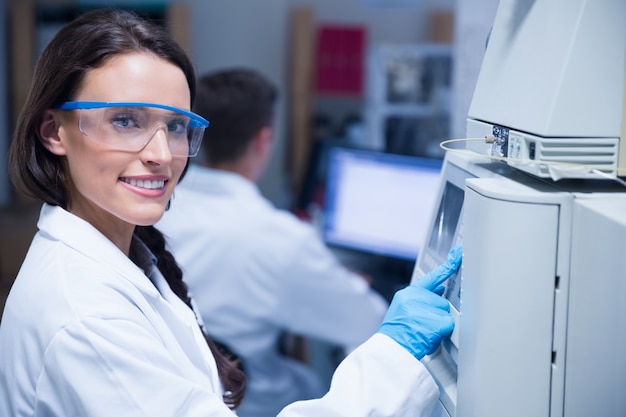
[552, 86]
[540, 318]
[541, 326]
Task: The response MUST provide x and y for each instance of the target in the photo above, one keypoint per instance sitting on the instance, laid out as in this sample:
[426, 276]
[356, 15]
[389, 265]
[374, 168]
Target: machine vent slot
[600, 153]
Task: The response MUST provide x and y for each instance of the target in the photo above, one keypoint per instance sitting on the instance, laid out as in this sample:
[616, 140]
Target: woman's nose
[158, 149]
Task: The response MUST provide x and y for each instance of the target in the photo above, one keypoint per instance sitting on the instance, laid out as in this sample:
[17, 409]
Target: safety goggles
[129, 126]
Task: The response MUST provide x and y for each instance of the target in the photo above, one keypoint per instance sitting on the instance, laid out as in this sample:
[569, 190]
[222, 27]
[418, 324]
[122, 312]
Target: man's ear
[263, 139]
[49, 136]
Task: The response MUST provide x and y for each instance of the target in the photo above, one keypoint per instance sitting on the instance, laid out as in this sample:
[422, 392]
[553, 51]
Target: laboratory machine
[540, 322]
[537, 199]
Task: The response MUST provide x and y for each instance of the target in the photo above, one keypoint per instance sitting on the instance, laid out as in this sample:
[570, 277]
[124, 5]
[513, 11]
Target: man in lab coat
[255, 271]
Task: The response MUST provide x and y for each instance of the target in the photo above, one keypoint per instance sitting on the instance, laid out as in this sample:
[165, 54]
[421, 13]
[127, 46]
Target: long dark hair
[82, 45]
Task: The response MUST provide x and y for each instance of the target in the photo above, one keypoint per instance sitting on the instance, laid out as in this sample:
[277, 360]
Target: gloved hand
[418, 318]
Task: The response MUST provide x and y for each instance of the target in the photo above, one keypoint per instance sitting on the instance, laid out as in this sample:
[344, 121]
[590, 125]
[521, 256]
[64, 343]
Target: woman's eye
[123, 122]
[177, 126]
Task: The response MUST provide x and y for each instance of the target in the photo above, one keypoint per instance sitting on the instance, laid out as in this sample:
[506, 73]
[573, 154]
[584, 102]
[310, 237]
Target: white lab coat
[256, 271]
[86, 333]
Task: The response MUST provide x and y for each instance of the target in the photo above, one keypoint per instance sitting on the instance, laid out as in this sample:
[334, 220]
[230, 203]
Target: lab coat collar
[217, 181]
[59, 224]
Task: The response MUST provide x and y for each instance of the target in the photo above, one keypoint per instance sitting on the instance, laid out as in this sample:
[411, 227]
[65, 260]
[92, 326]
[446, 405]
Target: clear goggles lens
[131, 126]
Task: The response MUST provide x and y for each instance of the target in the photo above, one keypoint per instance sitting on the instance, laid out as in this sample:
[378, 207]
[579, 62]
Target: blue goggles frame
[85, 105]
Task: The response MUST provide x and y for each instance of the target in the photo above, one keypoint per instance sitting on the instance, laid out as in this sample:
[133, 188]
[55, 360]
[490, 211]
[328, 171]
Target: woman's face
[115, 189]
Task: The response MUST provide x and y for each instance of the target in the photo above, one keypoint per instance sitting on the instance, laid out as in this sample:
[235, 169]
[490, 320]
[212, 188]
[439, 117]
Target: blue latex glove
[418, 318]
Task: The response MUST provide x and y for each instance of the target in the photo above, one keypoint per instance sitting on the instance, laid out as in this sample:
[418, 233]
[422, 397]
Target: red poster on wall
[340, 59]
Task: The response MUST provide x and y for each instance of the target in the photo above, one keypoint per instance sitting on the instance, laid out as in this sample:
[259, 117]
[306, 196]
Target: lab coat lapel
[186, 329]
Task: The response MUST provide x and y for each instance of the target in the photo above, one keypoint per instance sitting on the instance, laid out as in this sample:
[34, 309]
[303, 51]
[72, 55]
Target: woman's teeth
[149, 184]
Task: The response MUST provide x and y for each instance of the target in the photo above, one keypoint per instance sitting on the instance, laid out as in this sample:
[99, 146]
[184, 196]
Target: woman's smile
[150, 184]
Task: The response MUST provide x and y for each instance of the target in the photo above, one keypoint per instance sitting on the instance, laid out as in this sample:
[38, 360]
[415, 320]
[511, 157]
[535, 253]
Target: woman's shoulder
[60, 278]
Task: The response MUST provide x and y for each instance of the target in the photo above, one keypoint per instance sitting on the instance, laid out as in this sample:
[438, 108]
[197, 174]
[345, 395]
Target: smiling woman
[106, 176]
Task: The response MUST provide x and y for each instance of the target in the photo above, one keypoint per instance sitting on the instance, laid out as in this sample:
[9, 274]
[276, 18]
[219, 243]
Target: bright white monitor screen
[379, 202]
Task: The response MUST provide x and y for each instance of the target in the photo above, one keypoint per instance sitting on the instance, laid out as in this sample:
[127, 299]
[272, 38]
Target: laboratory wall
[256, 34]
[473, 20]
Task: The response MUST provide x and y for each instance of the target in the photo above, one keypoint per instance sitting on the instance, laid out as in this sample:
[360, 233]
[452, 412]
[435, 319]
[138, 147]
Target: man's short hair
[238, 103]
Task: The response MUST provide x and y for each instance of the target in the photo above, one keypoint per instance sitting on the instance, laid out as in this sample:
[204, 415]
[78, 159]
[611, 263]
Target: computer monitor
[378, 202]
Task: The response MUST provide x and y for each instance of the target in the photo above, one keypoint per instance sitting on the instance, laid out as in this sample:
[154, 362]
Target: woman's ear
[49, 136]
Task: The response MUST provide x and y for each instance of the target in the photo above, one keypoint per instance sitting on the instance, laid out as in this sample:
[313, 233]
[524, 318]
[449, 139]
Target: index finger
[440, 274]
